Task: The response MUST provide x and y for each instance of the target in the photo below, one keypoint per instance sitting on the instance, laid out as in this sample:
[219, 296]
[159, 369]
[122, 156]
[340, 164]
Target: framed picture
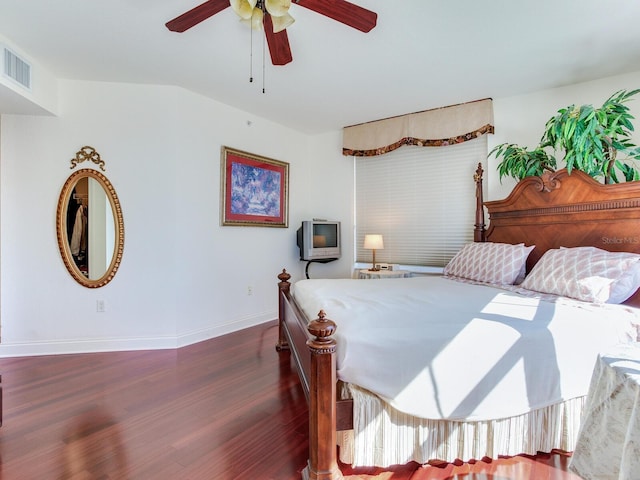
[255, 190]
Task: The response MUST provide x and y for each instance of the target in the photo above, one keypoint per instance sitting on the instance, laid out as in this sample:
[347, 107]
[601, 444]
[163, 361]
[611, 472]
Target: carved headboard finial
[477, 177]
[548, 182]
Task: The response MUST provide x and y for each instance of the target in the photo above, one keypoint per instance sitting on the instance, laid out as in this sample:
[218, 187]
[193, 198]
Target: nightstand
[368, 274]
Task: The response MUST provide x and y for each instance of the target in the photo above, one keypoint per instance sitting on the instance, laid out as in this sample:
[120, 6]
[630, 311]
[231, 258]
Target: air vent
[17, 69]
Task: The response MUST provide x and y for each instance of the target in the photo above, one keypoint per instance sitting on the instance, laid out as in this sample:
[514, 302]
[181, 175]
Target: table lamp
[373, 242]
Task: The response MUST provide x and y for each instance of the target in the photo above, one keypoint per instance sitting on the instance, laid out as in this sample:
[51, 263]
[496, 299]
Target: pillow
[523, 269]
[487, 262]
[626, 285]
[589, 274]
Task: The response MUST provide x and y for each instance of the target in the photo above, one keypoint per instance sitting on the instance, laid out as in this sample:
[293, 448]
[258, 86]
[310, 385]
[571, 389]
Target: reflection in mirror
[90, 228]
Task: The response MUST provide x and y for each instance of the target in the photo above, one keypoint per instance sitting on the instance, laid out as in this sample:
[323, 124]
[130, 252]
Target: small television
[319, 240]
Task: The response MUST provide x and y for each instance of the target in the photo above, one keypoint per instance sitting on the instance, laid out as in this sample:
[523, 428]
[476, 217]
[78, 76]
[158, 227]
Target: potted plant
[594, 140]
[519, 162]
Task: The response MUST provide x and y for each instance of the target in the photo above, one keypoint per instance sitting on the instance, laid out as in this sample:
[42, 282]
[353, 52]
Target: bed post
[323, 463]
[283, 288]
[479, 230]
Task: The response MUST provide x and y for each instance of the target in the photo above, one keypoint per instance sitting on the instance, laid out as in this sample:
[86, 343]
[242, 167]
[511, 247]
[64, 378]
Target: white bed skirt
[383, 436]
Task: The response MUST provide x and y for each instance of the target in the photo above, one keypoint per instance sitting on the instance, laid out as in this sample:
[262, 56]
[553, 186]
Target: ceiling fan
[269, 13]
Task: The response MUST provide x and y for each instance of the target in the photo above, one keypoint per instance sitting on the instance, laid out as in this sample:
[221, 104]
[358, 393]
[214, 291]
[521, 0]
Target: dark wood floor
[228, 408]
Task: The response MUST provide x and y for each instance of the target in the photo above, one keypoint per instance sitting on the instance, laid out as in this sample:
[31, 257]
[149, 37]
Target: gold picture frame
[254, 190]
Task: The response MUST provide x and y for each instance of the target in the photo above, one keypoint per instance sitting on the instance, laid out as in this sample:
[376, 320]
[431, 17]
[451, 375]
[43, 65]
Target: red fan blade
[196, 15]
[278, 43]
[343, 12]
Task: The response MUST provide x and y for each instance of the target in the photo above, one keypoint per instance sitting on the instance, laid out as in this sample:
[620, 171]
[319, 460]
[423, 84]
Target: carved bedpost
[283, 288]
[323, 464]
[479, 230]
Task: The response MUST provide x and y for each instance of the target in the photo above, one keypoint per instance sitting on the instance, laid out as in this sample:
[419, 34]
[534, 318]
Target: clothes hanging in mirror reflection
[78, 242]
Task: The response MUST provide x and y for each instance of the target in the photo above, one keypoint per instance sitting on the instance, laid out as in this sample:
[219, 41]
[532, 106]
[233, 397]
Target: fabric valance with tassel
[430, 128]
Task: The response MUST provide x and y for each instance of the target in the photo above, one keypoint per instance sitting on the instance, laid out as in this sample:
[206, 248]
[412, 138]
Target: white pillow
[626, 285]
[488, 262]
[584, 273]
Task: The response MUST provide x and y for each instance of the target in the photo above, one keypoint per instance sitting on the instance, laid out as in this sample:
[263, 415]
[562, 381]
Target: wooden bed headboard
[560, 209]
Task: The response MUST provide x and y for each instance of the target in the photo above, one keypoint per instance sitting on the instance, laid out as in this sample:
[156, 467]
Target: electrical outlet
[100, 307]
[249, 290]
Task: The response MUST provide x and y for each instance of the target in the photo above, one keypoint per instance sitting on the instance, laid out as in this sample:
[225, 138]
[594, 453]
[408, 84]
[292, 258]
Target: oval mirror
[90, 228]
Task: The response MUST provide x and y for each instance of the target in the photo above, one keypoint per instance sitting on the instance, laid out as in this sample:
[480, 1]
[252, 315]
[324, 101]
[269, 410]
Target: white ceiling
[422, 53]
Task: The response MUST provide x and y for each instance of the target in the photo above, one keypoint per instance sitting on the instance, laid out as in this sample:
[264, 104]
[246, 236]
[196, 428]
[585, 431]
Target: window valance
[429, 128]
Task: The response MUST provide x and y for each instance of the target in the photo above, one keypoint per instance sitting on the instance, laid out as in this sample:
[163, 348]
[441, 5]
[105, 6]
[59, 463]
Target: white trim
[219, 330]
[61, 347]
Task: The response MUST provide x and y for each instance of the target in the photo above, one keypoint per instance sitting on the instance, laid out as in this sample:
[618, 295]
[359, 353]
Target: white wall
[521, 119]
[183, 277]
[326, 185]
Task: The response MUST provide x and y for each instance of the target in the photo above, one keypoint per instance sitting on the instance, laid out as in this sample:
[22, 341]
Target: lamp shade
[373, 242]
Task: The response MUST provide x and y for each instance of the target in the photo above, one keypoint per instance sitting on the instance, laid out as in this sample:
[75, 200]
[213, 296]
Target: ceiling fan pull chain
[251, 55]
[263, 57]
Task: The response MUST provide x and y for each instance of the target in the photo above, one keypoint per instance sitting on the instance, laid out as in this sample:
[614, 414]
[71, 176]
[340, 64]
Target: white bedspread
[440, 349]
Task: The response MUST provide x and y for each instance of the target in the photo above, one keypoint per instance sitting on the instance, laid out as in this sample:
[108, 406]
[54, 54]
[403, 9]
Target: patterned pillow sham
[589, 274]
[487, 262]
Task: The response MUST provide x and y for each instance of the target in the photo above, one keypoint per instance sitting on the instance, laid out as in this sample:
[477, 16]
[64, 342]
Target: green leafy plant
[519, 162]
[594, 139]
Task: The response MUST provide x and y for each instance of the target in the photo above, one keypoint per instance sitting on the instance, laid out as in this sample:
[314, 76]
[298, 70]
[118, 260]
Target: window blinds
[421, 199]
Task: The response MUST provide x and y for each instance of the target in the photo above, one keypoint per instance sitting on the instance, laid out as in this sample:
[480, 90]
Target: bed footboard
[313, 350]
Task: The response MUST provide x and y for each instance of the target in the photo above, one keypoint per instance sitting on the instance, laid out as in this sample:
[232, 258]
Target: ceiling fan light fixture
[244, 8]
[277, 8]
[282, 22]
[255, 22]
[342, 11]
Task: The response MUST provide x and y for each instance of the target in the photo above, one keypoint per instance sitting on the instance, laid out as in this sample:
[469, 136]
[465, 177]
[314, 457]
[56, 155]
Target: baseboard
[27, 349]
[204, 334]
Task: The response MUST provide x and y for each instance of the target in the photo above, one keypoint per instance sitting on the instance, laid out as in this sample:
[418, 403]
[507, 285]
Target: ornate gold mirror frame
[65, 216]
